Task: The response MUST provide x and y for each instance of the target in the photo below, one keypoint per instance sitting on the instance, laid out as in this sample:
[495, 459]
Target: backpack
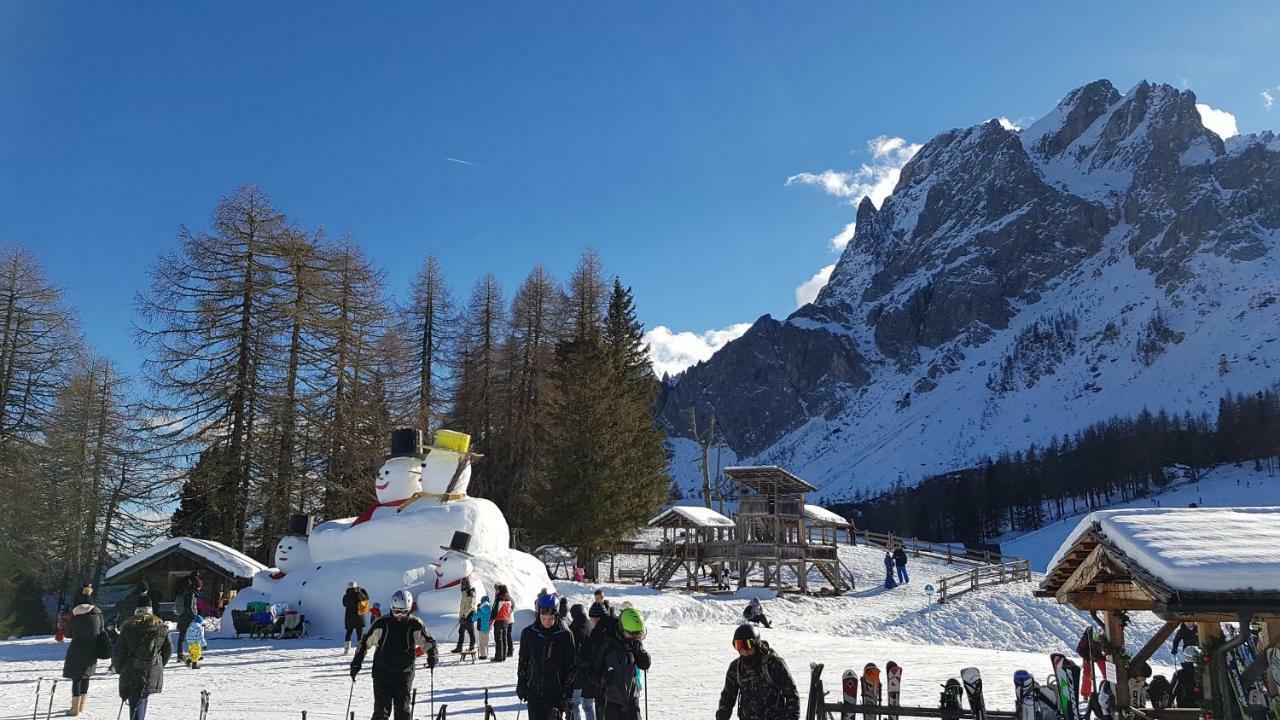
[362, 608]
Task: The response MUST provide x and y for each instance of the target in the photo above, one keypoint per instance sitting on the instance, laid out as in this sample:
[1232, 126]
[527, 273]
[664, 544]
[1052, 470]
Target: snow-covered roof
[822, 515]
[694, 515]
[1197, 550]
[230, 560]
[768, 477]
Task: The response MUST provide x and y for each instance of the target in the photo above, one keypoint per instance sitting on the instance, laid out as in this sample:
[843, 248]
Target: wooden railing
[917, 547]
[983, 576]
[768, 507]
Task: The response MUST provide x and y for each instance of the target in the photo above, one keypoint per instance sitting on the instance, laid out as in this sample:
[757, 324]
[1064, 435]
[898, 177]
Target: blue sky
[663, 134]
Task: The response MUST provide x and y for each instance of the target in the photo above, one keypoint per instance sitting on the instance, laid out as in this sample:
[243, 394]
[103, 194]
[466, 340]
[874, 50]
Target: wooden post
[1115, 637]
[1210, 634]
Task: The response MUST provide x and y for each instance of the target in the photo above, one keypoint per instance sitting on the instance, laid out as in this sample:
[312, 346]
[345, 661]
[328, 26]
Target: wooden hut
[693, 537]
[1208, 566]
[827, 526]
[224, 570]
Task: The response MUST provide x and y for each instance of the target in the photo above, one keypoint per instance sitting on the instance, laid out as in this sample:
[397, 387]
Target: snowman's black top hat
[406, 442]
[461, 541]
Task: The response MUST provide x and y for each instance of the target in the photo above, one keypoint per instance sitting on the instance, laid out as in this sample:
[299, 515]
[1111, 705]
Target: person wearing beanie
[582, 704]
[140, 655]
[484, 616]
[87, 635]
[355, 603]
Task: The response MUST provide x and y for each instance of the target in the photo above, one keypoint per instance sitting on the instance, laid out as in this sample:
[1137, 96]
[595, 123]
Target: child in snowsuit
[195, 642]
[755, 614]
[484, 613]
[889, 582]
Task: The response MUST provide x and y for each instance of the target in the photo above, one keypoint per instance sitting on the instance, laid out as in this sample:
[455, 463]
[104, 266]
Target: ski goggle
[743, 644]
[399, 611]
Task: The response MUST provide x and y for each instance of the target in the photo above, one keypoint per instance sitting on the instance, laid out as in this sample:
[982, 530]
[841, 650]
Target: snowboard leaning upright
[893, 685]
[972, 680]
[849, 686]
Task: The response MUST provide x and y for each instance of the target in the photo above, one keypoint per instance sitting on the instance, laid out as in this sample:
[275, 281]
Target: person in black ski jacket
[184, 606]
[620, 655]
[754, 613]
[900, 560]
[547, 666]
[583, 700]
[1185, 689]
[1188, 635]
[397, 639]
[758, 681]
[82, 653]
[140, 656]
[352, 618]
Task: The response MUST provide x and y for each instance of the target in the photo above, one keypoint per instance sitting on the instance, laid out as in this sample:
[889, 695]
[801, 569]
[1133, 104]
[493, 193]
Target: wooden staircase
[664, 568]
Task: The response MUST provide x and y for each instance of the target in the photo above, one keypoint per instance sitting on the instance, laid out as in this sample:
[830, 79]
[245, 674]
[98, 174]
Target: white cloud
[808, 290]
[672, 352]
[842, 238]
[1268, 99]
[1220, 121]
[875, 180]
[1008, 124]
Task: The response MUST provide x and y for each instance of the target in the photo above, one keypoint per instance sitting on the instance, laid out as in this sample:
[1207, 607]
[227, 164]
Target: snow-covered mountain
[1114, 255]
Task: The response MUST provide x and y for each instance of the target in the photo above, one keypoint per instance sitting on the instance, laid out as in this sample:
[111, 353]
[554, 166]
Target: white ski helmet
[401, 601]
[1191, 654]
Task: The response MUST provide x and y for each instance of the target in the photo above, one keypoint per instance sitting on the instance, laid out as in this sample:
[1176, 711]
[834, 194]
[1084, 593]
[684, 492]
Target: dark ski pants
[466, 628]
[138, 708]
[79, 687]
[506, 634]
[501, 638]
[543, 710]
[760, 620]
[184, 622]
[359, 631]
[392, 691]
[614, 711]
[902, 573]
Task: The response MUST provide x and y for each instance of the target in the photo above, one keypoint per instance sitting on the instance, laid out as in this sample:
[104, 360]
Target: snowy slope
[999, 630]
[1114, 256]
[1223, 486]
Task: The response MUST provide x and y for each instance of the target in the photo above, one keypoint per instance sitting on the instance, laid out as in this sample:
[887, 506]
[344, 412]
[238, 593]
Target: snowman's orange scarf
[368, 512]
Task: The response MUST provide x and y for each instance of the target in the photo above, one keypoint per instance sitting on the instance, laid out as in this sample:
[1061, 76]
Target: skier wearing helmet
[547, 665]
[620, 659]
[1186, 689]
[397, 639]
[758, 681]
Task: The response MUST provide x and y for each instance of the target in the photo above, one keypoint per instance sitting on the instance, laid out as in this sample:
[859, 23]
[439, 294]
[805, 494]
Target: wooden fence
[983, 576]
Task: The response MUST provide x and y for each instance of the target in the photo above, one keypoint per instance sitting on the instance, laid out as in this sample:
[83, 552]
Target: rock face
[1117, 229]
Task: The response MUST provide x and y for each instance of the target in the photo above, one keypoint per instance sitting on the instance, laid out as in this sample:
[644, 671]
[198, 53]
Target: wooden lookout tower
[772, 534]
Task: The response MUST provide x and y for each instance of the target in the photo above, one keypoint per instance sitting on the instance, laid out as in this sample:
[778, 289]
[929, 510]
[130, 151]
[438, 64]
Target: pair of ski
[1033, 701]
[870, 687]
[1250, 695]
[1066, 675]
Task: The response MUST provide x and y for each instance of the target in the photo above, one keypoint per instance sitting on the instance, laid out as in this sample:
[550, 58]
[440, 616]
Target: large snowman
[424, 533]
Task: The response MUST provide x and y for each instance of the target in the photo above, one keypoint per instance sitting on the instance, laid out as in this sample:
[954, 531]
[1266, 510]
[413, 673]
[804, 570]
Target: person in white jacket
[466, 616]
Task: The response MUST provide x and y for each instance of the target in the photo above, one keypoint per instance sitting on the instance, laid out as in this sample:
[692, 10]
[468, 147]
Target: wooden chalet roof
[1107, 565]
[685, 516]
[767, 478]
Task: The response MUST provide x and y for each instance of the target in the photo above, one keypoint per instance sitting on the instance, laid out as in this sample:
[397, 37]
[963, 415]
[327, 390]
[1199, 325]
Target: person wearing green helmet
[620, 660]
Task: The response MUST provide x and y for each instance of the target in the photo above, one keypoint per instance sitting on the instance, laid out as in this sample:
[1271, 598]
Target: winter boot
[83, 699]
[346, 647]
[75, 705]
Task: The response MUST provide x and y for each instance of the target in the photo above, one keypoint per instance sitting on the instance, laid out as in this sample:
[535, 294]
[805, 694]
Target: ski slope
[1222, 486]
[999, 630]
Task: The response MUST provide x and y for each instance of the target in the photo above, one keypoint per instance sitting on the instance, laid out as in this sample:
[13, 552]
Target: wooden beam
[1153, 644]
[1102, 601]
[1084, 573]
[1210, 635]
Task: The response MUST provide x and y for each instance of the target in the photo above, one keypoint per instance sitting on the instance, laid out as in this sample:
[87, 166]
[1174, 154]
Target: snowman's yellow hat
[452, 441]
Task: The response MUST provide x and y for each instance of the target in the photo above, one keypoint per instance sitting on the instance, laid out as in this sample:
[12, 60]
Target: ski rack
[820, 709]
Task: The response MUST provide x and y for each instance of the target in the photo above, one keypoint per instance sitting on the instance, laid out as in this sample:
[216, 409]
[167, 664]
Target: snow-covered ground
[1222, 486]
[998, 630]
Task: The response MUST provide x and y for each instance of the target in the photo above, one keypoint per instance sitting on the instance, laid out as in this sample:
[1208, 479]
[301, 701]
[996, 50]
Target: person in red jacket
[502, 612]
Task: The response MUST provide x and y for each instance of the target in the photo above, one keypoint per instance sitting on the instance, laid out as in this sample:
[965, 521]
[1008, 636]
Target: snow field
[1222, 486]
[999, 630]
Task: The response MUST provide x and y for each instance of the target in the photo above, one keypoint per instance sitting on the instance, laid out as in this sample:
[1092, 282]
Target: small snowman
[292, 552]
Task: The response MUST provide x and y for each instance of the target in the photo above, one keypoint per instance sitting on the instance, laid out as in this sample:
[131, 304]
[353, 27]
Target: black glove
[355, 669]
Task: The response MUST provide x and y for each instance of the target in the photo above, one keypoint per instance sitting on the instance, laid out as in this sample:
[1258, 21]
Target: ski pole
[413, 703]
[433, 691]
[53, 690]
[121, 710]
[349, 695]
[646, 694]
[36, 708]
